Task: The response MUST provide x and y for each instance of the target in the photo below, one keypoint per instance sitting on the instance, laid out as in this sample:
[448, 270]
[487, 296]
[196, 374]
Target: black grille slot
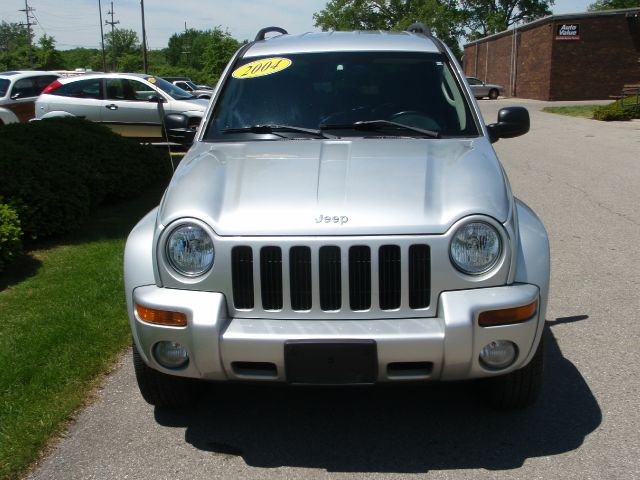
[271, 277]
[419, 276]
[300, 277]
[242, 276]
[330, 278]
[360, 277]
[389, 277]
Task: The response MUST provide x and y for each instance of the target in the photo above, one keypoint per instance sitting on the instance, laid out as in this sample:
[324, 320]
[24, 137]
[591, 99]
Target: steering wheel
[345, 116]
[416, 118]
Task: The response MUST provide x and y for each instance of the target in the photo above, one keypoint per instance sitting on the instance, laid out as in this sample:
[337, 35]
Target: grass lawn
[63, 322]
[584, 111]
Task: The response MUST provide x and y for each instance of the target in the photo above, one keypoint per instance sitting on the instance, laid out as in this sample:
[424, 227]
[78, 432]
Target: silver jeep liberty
[340, 218]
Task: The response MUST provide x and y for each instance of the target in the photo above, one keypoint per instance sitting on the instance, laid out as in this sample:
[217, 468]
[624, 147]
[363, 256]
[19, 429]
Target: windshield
[4, 85]
[174, 92]
[332, 91]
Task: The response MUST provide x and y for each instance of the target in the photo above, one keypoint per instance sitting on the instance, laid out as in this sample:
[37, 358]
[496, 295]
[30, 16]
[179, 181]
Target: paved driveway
[583, 178]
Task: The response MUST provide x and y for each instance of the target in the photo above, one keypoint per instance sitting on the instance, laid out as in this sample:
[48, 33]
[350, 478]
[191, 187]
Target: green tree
[199, 54]
[14, 46]
[123, 43]
[220, 49]
[444, 17]
[361, 14]
[450, 20]
[88, 58]
[486, 17]
[47, 57]
[613, 4]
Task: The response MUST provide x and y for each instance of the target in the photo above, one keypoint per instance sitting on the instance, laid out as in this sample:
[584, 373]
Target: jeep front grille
[344, 277]
[300, 278]
[242, 276]
[271, 277]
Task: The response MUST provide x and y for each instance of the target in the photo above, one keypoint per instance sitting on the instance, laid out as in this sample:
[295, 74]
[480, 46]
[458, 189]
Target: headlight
[475, 248]
[190, 250]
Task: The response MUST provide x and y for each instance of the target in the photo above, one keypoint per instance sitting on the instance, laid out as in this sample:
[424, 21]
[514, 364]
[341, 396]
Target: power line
[144, 39]
[186, 48]
[39, 23]
[28, 11]
[104, 60]
[113, 36]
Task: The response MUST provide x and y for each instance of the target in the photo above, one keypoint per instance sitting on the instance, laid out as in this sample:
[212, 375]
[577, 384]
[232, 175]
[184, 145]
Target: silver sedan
[131, 104]
[482, 89]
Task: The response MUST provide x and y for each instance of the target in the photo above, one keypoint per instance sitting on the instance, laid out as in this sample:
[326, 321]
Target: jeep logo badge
[341, 219]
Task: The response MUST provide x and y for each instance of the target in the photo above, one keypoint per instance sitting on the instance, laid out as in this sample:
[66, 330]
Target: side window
[125, 89]
[41, 82]
[81, 89]
[24, 87]
[183, 86]
[141, 91]
[474, 81]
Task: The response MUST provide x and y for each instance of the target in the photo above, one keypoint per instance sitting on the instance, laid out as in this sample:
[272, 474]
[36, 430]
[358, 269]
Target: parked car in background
[328, 227]
[188, 86]
[131, 104]
[19, 90]
[7, 116]
[481, 89]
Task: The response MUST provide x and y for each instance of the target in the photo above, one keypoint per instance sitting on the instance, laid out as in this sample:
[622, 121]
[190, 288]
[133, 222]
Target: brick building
[582, 56]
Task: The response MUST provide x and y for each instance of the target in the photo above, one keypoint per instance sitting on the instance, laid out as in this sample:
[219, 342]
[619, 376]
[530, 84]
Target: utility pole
[104, 58]
[27, 11]
[144, 40]
[186, 48]
[113, 37]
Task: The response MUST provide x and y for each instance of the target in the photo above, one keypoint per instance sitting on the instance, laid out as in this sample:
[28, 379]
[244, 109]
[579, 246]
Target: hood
[193, 104]
[337, 187]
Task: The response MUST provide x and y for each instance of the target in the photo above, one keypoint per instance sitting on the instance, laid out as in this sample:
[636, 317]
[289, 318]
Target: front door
[128, 111]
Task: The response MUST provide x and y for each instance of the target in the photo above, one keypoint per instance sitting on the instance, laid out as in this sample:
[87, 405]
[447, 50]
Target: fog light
[170, 354]
[498, 354]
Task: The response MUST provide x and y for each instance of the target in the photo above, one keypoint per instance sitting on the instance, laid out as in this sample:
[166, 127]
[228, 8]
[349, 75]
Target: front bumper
[447, 346]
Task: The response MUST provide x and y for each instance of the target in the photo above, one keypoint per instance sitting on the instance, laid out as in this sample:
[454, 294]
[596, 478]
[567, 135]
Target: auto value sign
[567, 31]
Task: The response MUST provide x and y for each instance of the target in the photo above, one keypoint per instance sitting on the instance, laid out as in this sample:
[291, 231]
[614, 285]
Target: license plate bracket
[331, 362]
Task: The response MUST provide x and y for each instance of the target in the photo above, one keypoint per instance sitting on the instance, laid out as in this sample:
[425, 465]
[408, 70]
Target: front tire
[518, 389]
[493, 94]
[160, 389]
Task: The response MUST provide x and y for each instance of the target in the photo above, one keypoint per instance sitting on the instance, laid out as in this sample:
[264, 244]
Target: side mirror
[178, 130]
[16, 96]
[512, 122]
[155, 98]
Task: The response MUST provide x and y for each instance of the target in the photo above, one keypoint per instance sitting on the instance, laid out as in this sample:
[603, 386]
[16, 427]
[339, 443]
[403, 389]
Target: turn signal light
[508, 315]
[161, 317]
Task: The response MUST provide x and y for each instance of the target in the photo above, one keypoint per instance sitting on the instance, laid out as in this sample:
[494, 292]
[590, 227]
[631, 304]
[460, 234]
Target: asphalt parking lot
[583, 179]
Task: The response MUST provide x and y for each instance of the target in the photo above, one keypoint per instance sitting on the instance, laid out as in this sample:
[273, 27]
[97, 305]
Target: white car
[19, 90]
[7, 116]
[131, 104]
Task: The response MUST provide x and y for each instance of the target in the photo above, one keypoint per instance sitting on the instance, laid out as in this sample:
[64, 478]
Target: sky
[75, 23]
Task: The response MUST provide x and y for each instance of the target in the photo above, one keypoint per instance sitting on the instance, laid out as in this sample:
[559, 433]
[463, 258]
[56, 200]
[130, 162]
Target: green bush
[616, 111]
[10, 233]
[56, 171]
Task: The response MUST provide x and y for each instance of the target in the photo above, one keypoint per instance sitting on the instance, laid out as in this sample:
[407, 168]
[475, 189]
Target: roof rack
[261, 34]
[419, 27]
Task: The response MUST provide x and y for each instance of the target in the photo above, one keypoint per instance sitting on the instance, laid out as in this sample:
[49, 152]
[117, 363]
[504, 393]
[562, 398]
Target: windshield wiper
[378, 124]
[274, 129]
